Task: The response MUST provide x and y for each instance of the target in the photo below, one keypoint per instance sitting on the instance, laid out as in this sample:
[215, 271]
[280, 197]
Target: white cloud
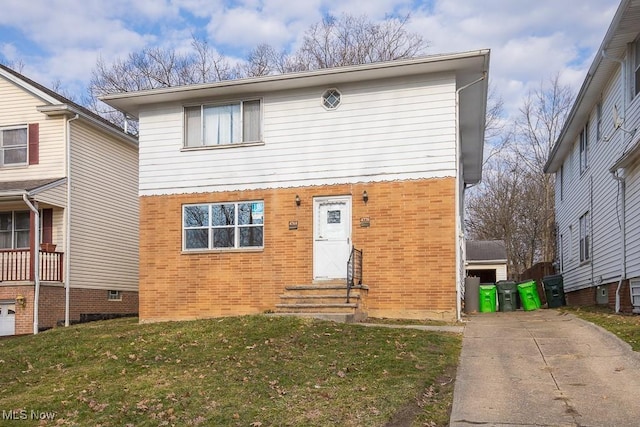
[529, 42]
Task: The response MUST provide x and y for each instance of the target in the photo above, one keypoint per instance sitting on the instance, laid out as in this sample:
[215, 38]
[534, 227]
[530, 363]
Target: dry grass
[245, 371]
[625, 326]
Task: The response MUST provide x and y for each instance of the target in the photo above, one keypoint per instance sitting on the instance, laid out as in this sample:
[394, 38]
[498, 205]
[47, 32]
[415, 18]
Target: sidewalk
[544, 368]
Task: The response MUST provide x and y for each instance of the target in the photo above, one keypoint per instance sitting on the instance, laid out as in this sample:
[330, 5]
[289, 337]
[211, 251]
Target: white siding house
[252, 188]
[68, 211]
[596, 164]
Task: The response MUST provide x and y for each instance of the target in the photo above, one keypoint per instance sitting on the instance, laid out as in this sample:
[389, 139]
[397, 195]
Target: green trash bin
[529, 295]
[487, 298]
[507, 295]
[554, 290]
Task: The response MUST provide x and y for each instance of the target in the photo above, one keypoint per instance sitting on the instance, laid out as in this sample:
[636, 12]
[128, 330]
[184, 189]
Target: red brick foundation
[52, 304]
[587, 296]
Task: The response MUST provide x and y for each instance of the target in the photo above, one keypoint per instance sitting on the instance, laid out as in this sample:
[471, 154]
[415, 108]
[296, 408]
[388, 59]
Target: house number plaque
[293, 225]
[365, 222]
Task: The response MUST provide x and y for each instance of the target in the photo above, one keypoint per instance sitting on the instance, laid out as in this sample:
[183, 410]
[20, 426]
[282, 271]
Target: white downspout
[67, 222]
[36, 261]
[459, 231]
[623, 237]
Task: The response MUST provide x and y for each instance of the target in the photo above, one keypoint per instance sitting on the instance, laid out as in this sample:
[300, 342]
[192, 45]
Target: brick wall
[51, 312]
[587, 296]
[409, 252]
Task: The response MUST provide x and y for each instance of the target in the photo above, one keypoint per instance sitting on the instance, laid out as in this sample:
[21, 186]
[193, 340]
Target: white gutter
[459, 232]
[36, 261]
[621, 182]
[67, 221]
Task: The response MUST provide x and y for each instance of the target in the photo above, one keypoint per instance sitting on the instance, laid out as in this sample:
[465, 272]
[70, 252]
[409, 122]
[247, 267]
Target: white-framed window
[114, 295]
[636, 67]
[634, 285]
[222, 124]
[14, 229]
[561, 252]
[584, 148]
[561, 181]
[331, 99]
[233, 225]
[585, 238]
[599, 121]
[14, 142]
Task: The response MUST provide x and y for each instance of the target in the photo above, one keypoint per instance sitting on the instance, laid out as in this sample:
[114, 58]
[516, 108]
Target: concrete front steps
[324, 300]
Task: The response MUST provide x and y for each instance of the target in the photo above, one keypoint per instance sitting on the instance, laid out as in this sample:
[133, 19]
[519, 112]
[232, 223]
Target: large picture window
[211, 125]
[223, 225]
[13, 146]
[14, 230]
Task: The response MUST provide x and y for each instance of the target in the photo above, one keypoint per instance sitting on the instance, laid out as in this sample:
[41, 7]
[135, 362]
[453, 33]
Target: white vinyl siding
[387, 130]
[594, 191]
[104, 211]
[19, 108]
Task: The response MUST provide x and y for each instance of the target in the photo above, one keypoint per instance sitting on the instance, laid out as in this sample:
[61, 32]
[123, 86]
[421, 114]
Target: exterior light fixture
[297, 200]
[21, 301]
[365, 197]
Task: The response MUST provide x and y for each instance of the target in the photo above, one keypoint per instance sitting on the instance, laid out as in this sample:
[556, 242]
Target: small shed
[486, 259]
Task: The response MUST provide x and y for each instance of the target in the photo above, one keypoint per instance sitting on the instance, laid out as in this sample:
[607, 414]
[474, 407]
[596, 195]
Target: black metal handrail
[354, 270]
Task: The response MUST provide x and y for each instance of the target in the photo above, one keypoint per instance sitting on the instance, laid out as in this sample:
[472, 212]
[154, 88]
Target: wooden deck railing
[15, 266]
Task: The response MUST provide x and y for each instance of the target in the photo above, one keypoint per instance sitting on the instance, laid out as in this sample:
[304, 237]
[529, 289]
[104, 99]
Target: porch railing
[354, 270]
[16, 265]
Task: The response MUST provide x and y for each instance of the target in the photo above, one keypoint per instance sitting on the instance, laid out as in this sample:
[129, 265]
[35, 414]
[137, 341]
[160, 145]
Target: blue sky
[60, 40]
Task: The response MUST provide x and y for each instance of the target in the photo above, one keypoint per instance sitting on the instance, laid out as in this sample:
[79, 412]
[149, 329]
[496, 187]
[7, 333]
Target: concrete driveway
[544, 368]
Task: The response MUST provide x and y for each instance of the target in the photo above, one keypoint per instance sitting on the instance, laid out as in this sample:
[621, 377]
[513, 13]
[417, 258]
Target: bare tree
[515, 202]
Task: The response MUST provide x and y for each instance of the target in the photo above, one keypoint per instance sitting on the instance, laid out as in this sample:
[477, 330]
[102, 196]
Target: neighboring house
[486, 259]
[68, 211]
[255, 191]
[596, 162]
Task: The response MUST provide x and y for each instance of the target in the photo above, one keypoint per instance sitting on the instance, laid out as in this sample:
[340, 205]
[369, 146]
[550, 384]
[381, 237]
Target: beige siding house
[68, 211]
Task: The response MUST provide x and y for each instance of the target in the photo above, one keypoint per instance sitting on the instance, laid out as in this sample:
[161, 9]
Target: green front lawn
[245, 371]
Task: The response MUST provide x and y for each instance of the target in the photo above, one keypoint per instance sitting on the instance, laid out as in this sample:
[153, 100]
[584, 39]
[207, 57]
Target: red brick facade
[52, 297]
[409, 252]
[588, 296]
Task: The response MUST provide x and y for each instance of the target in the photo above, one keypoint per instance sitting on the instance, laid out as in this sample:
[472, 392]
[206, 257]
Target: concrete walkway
[544, 368]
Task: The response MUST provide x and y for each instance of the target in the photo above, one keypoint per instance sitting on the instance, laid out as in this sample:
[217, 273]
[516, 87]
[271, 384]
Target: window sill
[222, 251]
[585, 262]
[223, 146]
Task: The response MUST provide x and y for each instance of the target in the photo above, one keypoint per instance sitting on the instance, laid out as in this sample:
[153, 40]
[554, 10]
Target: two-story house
[255, 191]
[596, 162]
[68, 211]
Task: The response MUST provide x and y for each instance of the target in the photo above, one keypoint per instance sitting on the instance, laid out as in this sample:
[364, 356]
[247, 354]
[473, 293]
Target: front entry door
[7, 318]
[332, 237]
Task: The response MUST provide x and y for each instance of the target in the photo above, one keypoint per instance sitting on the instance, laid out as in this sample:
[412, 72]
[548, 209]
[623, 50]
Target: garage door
[7, 318]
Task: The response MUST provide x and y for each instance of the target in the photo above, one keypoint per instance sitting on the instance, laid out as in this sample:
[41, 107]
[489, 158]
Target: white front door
[7, 318]
[332, 237]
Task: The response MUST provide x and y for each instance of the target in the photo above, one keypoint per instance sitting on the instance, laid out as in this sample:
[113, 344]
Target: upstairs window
[585, 238]
[13, 145]
[214, 125]
[584, 148]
